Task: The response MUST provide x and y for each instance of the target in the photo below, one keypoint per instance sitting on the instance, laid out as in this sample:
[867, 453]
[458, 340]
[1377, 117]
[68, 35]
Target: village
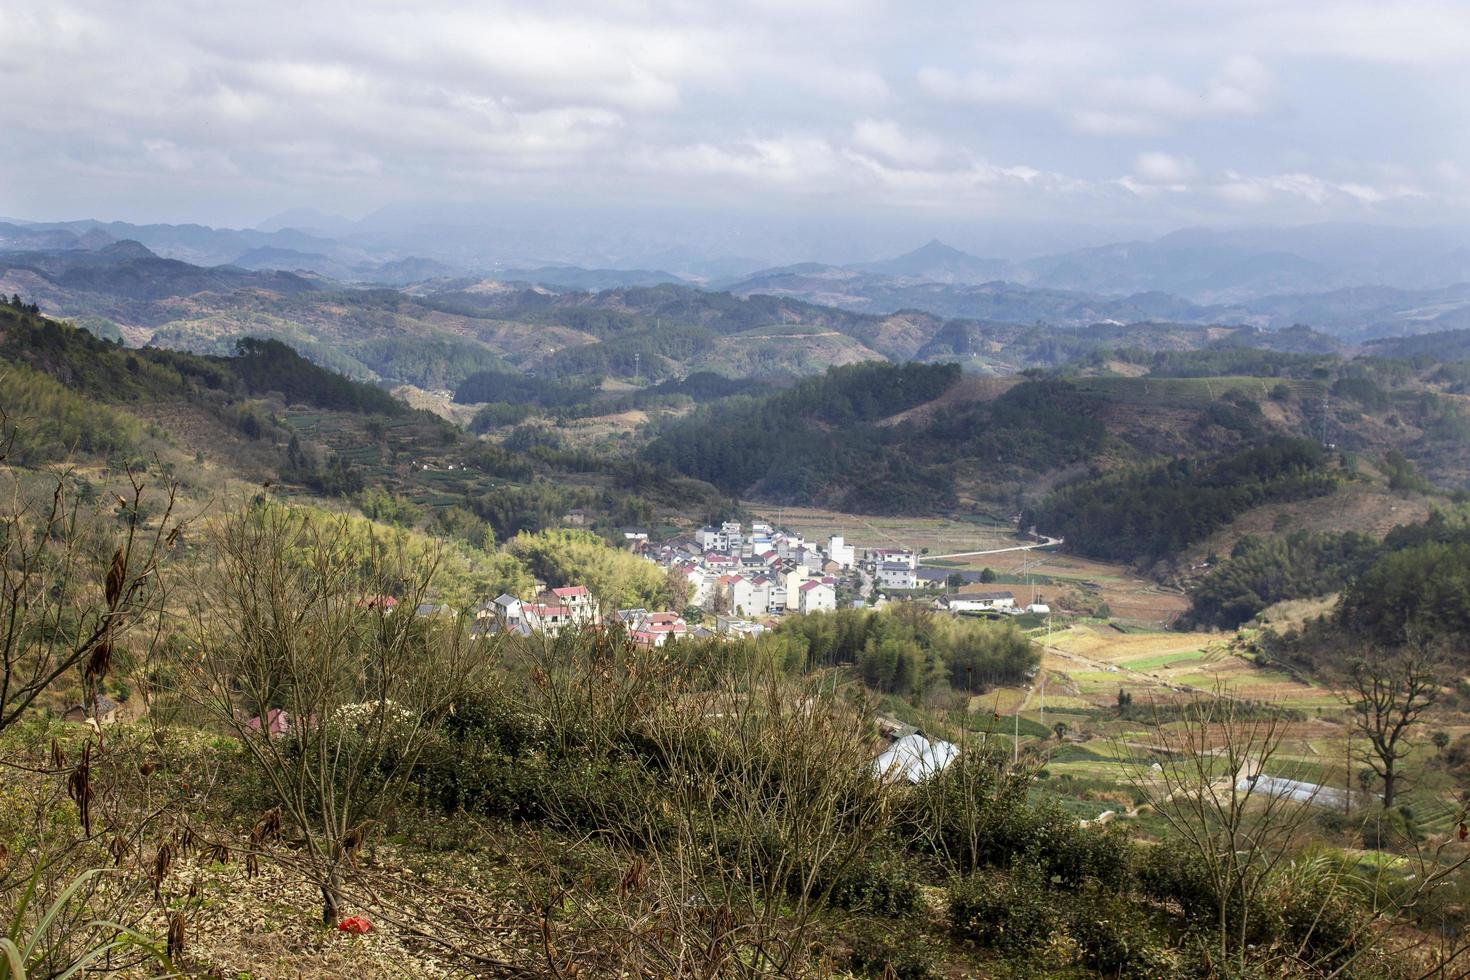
[740, 579]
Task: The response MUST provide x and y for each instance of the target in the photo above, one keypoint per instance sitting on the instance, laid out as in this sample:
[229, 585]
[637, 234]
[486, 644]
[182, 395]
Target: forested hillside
[267, 413]
[1149, 513]
[104, 370]
[819, 441]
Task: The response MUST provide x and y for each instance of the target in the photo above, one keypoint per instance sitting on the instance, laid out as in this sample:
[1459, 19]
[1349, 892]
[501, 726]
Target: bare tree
[74, 581]
[1386, 697]
[766, 797]
[332, 689]
[1208, 788]
[1224, 787]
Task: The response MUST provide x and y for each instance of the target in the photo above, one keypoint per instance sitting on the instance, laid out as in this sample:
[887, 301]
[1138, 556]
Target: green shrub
[1317, 913]
[1009, 912]
[1114, 937]
[901, 954]
[978, 813]
[879, 884]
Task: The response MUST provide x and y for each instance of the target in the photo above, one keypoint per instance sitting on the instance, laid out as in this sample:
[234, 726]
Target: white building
[896, 575]
[733, 538]
[816, 596]
[903, 556]
[778, 599]
[733, 627]
[840, 551]
[711, 539]
[700, 584]
[581, 607]
[1002, 601]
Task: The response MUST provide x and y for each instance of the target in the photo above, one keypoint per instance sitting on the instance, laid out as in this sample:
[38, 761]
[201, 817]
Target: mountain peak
[934, 248]
[127, 248]
[939, 262]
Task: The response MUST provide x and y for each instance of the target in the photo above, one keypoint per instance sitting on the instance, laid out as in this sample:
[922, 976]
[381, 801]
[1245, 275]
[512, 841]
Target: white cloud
[1098, 101]
[889, 141]
[786, 161]
[1273, 189]
[1034, 109]
[1154, 167]
[1242, 87]
[1096, 122]
[982, 88]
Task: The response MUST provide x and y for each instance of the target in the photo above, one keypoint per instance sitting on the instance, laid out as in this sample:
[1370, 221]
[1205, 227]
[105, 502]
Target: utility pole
[1324, 418]
[1016, 738]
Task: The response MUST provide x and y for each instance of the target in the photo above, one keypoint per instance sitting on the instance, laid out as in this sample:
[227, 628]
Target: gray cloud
[1133, 110]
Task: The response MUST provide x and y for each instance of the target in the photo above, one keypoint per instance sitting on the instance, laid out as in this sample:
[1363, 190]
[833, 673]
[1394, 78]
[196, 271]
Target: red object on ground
[355, 924]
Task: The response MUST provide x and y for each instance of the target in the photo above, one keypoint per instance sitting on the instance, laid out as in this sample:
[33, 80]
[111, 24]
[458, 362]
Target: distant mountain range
[1354, 282]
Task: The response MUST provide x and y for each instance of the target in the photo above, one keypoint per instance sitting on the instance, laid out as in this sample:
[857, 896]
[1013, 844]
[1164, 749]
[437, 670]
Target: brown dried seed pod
[161, 862]
[79, 788]
[100, 662]
[268, 826]
[175, 935]
[116, 573]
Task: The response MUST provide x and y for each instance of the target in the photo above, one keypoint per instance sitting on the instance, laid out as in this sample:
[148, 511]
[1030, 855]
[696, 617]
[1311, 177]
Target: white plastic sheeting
[914, 758]
[1291, 789]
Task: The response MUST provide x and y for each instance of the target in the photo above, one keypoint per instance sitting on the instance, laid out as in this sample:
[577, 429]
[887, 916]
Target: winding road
[1045, 542]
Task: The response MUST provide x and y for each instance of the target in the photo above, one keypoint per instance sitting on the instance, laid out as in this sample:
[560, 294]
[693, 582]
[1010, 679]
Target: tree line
[1150, 513]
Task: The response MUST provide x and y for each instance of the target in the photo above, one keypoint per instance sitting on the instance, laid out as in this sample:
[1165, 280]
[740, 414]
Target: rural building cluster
[740, 579]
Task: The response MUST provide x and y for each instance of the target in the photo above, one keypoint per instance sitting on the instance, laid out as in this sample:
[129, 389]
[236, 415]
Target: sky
[1147, 114]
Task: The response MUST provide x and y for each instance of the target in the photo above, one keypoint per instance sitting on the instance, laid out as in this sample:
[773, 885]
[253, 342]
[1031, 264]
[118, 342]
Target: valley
[746, 491]
[1090, 555]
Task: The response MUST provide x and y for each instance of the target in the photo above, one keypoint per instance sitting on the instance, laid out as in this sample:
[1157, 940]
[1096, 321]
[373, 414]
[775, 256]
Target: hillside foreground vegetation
[325, 785]
[205, 540]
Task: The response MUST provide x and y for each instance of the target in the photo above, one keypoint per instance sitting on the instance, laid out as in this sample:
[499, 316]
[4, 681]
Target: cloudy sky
[1155, 113]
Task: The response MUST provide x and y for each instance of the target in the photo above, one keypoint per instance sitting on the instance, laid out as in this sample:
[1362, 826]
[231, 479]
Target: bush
[903, 954]
[1317, 914]
[977, 813]
[881, 885]
[1114, 937]
[1009, 912]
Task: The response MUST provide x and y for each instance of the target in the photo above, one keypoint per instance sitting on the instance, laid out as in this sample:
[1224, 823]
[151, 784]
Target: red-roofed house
[546, 618]
[578, 599]
[277, 721]
[816, 597]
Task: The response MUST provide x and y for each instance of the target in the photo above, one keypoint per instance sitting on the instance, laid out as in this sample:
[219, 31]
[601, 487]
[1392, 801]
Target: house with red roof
[816, 596]
[579, 601]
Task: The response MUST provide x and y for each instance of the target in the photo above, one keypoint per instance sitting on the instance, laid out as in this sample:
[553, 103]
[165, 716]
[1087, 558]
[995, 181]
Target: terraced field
[401, 457]
[1093, 661]
[1130, 598]
[1189, 391]
[936, 534]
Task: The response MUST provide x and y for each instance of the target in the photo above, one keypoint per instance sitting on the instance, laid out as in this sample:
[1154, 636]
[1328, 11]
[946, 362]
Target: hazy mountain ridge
[1205, 266]
[765, 327]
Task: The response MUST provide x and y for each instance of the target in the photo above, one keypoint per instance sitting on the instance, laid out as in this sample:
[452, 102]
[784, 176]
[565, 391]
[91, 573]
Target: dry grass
[1093, 662]
[939, 535]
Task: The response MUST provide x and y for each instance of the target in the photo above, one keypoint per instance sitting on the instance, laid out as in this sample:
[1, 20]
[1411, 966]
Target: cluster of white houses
[741, 575]
[549, 613]
[759, 572]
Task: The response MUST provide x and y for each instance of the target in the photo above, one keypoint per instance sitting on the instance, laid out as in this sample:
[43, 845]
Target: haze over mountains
[1354, 281]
